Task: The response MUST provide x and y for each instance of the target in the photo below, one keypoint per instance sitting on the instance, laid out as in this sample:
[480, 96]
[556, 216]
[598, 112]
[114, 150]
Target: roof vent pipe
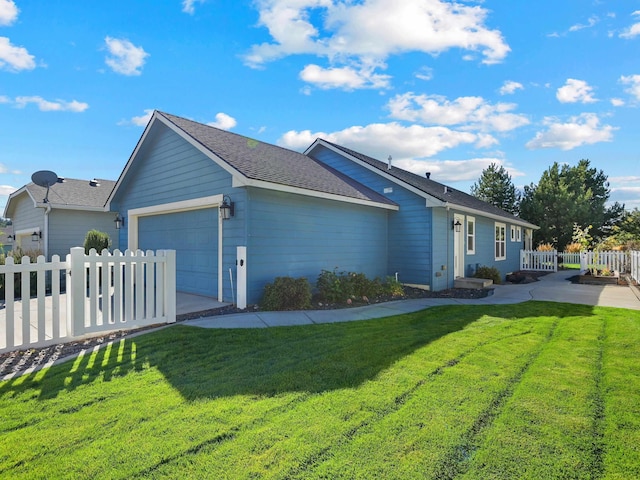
[389, 162]
[446, 189]
[428, 174]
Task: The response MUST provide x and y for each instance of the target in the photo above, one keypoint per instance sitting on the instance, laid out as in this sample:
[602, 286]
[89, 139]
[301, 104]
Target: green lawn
[534, 390]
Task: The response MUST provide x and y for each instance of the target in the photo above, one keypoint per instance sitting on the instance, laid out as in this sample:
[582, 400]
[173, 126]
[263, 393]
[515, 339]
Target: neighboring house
[73, 207]
[297, 214]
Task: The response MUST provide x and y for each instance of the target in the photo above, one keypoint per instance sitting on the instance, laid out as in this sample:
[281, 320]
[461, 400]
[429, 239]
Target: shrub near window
[96, 239]
[287, 293]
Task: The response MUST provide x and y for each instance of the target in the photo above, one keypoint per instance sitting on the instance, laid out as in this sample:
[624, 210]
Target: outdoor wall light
[456, 225]
[35, 236]
[10, 238]
[227, 208]
[119, 221]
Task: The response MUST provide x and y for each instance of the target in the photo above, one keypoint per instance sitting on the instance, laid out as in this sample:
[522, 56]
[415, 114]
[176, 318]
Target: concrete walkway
[551, 288]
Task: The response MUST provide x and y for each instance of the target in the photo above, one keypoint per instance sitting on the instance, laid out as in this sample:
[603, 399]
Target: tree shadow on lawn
[211, 363]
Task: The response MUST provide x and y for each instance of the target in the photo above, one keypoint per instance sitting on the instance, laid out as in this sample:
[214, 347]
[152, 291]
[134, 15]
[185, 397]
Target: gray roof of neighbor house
[435, 189]
[276, 165]
[69, 193]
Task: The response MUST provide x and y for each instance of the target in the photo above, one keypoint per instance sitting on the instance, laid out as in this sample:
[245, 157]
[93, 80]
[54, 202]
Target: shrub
[393, 287]
[333, 287]
[573, 248]
[287, 293]
[96, 239]
[545, 247]
[491, 273]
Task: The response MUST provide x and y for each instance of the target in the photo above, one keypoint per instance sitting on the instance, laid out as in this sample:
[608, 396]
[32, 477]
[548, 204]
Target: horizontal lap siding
[485, 249]
[409, 238]
[442, 278]
[169, 169]
[298, 236]
[68, 228]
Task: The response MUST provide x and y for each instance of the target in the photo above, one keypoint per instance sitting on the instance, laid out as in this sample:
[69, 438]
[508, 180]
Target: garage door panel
[194, 237]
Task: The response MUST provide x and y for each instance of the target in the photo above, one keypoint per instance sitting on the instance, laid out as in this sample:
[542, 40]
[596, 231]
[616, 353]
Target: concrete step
[470, 282]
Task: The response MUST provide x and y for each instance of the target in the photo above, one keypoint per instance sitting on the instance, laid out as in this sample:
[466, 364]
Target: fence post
[76, 292]
[170, 286]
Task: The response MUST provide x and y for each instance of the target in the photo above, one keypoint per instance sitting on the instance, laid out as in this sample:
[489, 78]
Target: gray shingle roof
[433, 188]
[265, 162]
[74, 193]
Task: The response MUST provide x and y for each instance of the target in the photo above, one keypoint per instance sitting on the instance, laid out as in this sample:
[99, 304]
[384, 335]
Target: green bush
[96, 239]
[491, 273]
[287, 293]
[336, 287]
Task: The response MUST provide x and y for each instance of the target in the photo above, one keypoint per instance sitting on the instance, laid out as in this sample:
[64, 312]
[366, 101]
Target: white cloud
[584, 129]
[223, 121]
[425, 73]
[6, 190]
[575, 91]
[14, 58]
[188, 6]
[125, 57]
[139, 121]
[371, 30]
[510, 87]
[634, 30]
[469, 112]
[383, 139]
[579, 26]
[346, 78]
[8, 12]
[634, 85]
[454, 170]
[617, 102]
[49, 106]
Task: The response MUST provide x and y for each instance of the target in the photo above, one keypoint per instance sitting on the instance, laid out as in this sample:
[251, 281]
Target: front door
[458, 246]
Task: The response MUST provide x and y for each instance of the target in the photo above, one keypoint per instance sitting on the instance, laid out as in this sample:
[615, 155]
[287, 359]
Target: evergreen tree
[495, 187]
[568, 196]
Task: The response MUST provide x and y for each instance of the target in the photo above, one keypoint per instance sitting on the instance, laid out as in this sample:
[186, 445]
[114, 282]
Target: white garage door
[194, 236]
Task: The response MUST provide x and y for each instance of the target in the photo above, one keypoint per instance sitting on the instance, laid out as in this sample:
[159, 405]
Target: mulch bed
[21, 360]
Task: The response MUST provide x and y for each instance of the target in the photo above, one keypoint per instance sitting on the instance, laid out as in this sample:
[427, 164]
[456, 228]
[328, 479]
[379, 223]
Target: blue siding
[442, 252]
[169, 169]
[409, 239]
[299, 236]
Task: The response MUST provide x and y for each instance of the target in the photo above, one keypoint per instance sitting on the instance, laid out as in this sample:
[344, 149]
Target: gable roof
[444, 195]
[70, 194]
[255, 163]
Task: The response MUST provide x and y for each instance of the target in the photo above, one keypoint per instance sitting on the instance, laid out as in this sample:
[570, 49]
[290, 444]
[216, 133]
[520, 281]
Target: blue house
[240, 212]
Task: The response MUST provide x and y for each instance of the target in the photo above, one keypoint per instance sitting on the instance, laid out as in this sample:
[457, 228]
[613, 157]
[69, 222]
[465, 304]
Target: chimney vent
[389, 162]
[428, 174]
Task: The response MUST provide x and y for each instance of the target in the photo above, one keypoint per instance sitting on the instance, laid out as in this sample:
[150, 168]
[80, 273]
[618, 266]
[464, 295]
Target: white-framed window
[518, 234]
[513, 233]
[501, 244]
[471, 235]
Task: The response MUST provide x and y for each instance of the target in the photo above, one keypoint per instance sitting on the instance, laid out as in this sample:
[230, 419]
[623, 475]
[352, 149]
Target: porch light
[227, 208]
[456, 225]
[11, 238]
[119, 221]
[35, 236]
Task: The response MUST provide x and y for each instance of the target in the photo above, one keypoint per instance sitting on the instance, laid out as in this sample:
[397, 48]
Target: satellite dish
[45, 178]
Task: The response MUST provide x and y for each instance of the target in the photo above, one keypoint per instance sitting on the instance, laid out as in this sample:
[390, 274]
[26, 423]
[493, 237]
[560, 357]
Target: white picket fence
[548, 261]
[104, 292]
[536, 261]
[635, 266]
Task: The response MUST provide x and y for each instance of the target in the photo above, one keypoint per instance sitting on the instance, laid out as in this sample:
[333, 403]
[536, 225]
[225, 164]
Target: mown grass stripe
[546, 428]
[456, 462]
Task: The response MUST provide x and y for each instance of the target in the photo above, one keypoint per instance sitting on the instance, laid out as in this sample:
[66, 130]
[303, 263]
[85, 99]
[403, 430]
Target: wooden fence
[536, 261]
[63, 300]
[635, 266]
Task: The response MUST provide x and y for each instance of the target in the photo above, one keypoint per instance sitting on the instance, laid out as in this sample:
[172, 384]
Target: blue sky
[442, 87]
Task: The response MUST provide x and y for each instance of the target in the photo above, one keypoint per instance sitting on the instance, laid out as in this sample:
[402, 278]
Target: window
[513, 233]
[501, 235]
[471, 235]
[518, 234]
